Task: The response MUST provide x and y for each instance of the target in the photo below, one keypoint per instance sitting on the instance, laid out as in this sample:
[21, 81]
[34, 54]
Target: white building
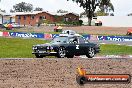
[116, 21]
[4, 17]
[110, 21]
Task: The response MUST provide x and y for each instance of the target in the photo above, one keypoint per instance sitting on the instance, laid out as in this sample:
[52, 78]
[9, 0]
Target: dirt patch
[59, 73]
[100, 30]
[79, 29]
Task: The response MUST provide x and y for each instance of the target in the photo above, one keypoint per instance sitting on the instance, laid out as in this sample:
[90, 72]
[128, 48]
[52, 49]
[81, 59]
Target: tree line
[24, 7]
[89, 7]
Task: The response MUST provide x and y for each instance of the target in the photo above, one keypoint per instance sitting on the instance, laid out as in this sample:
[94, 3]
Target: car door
[82, 46]
[73, 47]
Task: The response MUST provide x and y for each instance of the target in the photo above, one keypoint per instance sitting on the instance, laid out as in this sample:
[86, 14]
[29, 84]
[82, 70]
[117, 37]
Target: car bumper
[45, 53]
[97, 50]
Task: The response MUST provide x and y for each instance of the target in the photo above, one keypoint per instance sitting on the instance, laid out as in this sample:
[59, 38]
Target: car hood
[46, 44]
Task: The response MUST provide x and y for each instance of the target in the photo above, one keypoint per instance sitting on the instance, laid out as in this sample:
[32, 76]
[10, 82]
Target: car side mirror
[74, 42]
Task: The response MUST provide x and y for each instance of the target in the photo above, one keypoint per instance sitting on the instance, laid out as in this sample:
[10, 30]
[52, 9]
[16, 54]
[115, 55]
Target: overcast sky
[122, 7]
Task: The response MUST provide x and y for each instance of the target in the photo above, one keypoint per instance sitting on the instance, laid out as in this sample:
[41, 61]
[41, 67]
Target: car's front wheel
[61, 52]
[39, 56]
[70, 56]
[90, 53]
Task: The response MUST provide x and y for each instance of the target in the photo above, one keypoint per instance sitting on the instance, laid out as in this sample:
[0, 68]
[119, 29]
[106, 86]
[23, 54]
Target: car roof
[69, 35]
[68, 32]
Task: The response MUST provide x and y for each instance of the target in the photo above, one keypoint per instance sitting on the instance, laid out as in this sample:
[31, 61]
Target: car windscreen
[60, 40]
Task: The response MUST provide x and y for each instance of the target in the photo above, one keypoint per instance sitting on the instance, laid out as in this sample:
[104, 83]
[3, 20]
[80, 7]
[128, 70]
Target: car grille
[42, 48]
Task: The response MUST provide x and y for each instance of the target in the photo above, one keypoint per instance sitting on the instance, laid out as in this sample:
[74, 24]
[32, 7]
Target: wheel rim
[62, 52]
[91, 52]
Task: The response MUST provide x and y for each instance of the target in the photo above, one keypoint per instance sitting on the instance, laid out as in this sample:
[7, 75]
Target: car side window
[81, 40]
[74, 40]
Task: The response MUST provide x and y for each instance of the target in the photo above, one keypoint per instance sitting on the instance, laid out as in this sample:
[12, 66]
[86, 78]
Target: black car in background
[66, 46]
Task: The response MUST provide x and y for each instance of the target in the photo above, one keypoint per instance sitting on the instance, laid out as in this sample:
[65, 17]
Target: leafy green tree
[90, 6]
[101, 13]
[62, 11]
[38, 9]
[106, 6]
[2, 10]
[12, 11]
[23, 7]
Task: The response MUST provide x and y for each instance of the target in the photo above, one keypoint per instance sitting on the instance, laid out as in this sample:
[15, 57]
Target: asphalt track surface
[127, 43]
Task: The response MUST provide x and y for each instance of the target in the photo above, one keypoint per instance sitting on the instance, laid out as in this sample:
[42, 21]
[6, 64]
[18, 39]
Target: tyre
[39, 56]
[70, 56]
[61, 52]
[81, 80]
[91, 52]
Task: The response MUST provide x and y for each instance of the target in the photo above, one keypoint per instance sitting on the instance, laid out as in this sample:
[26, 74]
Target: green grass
[17, 48]
[22, 48]
[110, 49]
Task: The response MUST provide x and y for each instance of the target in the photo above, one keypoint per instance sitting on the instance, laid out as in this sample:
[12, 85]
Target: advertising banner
[54, 35]
[1, 33]
[115, 38]
[26, 35]
[87, 37]
[51, 36]
[93, 37]
[5, 34]
[47, 36]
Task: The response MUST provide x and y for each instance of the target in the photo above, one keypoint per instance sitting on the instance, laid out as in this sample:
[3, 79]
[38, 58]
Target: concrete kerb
[108, 56]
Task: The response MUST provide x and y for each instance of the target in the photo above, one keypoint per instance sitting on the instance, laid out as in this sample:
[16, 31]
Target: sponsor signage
[1, 33]
[87, 37]
[5, 34]
[51, 36]
[108, 78]
[93, 37]
[83, 77]
[47, 36]
[55, 35]
[115, 38]
[26, 35]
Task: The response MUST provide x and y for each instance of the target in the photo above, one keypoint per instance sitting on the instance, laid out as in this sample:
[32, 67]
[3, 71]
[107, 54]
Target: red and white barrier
[1, 33]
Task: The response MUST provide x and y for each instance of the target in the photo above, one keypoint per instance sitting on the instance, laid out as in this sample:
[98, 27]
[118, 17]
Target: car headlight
[34, 47]
[49, 47]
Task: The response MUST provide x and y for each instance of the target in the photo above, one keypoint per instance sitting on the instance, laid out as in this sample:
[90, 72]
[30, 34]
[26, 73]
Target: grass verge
[22, 48]
[17, 48]
[110, 49]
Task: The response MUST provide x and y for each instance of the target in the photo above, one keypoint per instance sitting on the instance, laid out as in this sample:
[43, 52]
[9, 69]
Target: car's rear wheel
[61, 52]
[38, 56]
[91, 52]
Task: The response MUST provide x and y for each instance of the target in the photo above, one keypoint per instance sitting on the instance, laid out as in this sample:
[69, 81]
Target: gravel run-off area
[58, 73]
[97, 30]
